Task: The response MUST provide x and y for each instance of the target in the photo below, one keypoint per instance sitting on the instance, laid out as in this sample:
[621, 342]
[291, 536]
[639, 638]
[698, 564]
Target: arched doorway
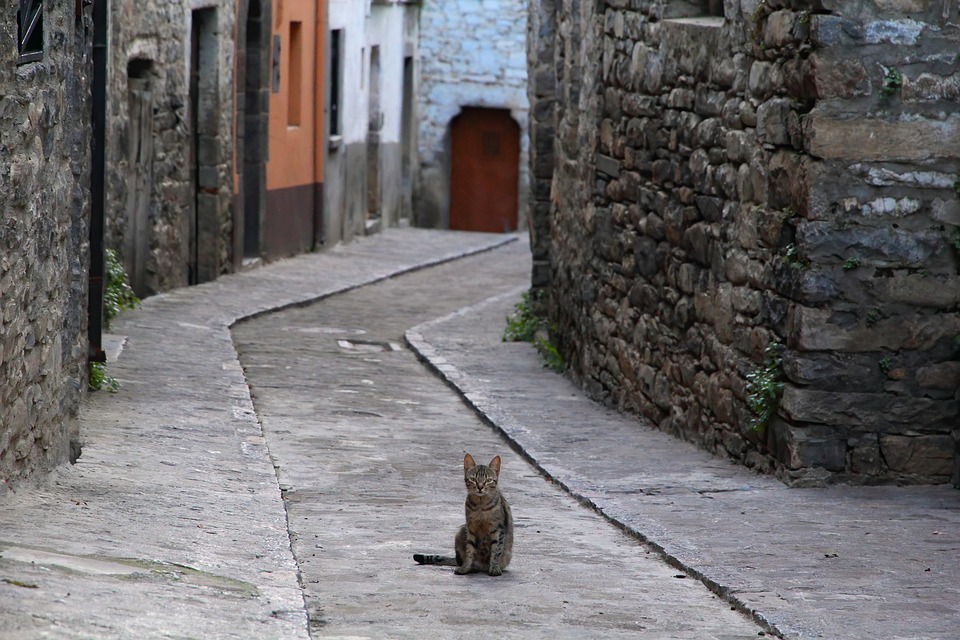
[484, 170]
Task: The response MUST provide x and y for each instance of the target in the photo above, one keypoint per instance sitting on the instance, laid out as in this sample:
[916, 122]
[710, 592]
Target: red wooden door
[485, 170]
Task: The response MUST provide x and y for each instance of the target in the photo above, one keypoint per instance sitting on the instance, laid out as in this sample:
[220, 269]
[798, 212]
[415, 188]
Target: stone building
[472, 112]
[731, 176]
[169, 145]
[169, 149]
[371, 84]
[44, 249]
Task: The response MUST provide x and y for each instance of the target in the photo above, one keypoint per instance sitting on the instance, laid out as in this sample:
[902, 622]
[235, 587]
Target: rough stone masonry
[44, 252]
[785, 174]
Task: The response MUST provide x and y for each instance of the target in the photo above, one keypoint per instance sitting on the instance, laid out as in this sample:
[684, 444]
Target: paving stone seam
[487, 409]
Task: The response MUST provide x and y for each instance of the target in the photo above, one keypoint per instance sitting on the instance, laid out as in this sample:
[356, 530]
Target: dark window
[30, 31]
[336, 62]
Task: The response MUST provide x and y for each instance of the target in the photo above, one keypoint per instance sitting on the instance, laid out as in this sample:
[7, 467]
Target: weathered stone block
[775, 118]
[826, 329]
[801, 447]
[868, 410]
[875, 139]
[884, 247]
[928, 456]
[922, 290]
[837, 77]
[865, 455]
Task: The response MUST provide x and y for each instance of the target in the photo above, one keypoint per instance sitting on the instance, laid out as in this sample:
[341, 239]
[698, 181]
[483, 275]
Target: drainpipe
[97, 207]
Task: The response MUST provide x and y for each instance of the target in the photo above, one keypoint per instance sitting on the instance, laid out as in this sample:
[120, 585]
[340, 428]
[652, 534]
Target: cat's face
[480, 481]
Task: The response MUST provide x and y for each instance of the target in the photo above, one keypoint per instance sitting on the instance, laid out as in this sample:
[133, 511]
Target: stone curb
[515, 433]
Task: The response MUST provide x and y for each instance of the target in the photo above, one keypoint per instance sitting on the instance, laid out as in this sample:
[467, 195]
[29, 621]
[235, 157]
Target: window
[336, 70]
[294, 75]
[30, 31]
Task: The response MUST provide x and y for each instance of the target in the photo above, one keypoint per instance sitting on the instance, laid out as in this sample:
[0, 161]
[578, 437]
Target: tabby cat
[485, 542]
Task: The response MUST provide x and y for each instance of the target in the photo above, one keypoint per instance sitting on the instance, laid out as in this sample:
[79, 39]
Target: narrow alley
[369, 446]
[257, 258]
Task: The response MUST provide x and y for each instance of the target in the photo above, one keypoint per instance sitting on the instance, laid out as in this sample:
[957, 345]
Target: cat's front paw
[495, 570]
[461, 570]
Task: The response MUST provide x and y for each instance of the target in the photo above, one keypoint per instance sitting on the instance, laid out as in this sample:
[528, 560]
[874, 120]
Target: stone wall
[44, 253]
[171, 228]
[783, 175]
[472, 54]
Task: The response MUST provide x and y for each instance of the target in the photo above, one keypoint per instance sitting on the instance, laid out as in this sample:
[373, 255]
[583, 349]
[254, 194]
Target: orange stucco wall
[296, 150]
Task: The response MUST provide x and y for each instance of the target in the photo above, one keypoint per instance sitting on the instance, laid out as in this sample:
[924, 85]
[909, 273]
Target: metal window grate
[30, 31]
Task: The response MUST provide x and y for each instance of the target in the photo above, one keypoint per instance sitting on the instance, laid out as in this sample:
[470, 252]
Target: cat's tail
[428, 558]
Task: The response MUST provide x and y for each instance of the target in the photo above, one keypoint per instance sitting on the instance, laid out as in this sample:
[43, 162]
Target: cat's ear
[495, 465]
[468, 463]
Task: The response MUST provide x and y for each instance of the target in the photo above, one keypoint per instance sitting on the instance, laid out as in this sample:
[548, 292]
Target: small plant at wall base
[118, 296]
[523, 322]
[851, 263]
[765, 387]
[525, 325]
[99, 379]
[549, 352]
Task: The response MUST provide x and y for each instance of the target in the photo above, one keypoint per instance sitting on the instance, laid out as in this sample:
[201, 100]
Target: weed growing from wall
[118, 296]
[892, 82]
[851, 263]
[765, 387]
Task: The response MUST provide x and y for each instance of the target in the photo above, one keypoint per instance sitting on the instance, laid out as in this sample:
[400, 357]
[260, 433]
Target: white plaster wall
[472, 53]
[365, 25]
[385, 29]
[350, 16]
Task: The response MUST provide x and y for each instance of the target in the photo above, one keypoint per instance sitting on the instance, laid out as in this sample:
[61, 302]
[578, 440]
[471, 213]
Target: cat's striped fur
[485, 542]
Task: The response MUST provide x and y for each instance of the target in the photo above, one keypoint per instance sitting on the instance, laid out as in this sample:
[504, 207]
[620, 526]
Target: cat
[485, 542]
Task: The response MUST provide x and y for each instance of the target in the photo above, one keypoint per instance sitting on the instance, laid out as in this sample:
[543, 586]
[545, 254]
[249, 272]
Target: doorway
[374, 126]
[406, 140]
[252, 101]
[484, 170]
[204, 219]
[138, 231]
